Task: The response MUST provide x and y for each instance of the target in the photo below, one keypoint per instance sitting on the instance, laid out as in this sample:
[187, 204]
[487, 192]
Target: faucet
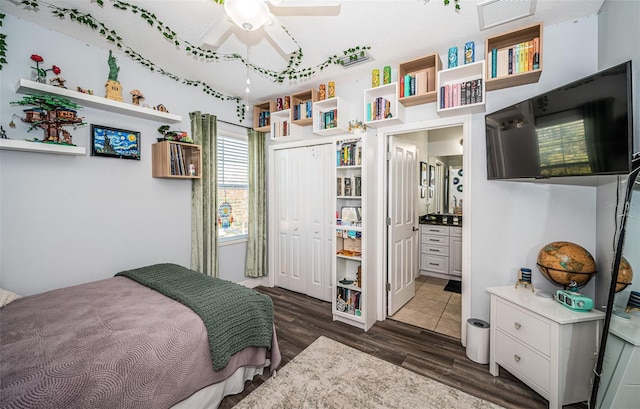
[455, 201]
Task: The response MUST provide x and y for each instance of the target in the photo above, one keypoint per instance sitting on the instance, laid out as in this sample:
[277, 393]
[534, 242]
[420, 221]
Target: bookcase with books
[330, 116]
[461, 89]
[262, 116]
[417, 80]
[514, 58]
[282, 127]
[353, 273]
[302, 107]
[178, 160]
[381, 107]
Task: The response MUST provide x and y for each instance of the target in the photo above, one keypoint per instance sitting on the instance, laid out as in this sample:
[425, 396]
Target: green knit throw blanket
[235, 316]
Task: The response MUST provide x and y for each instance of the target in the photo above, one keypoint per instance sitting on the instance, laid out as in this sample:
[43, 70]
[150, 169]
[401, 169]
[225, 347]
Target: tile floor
[432, 308]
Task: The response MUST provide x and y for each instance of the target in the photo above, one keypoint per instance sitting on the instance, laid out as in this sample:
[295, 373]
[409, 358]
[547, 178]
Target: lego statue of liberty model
[113, 87]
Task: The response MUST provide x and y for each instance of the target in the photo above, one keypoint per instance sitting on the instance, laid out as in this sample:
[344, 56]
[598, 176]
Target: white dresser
[551, 348]
[441, 251]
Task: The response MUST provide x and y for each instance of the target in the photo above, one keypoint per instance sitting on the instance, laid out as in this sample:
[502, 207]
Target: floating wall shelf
[26, 146]
[92, 101]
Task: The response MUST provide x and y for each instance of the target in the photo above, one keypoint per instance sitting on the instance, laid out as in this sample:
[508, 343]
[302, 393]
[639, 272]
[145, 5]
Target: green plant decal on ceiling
[291, 72]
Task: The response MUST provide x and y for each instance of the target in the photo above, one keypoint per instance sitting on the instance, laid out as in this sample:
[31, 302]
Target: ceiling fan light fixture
[247, 14]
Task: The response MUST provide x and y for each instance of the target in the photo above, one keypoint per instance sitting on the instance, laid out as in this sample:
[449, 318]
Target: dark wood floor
[300, 320]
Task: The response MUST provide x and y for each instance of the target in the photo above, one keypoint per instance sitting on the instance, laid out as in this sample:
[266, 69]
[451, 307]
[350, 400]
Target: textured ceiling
[396, 31]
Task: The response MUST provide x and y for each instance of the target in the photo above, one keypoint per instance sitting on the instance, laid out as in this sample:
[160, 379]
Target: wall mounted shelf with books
[381, 107]
[176, 160]
[283, 128]
[302, 107]
[330, 117]
[262, 116]
[422, 73]
[514, 58]
[93, 101]
[461, 90]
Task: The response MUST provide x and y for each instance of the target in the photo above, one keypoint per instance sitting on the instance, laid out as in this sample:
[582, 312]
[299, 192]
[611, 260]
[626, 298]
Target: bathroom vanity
[441, 246]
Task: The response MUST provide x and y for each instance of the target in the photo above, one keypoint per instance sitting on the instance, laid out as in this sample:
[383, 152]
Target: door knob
[414, 228]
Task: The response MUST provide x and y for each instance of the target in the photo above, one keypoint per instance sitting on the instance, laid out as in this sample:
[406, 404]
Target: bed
[131, 342]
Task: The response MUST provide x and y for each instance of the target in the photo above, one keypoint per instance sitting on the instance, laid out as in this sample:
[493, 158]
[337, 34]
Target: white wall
[618, 39]
[61, 218]
[66, 220]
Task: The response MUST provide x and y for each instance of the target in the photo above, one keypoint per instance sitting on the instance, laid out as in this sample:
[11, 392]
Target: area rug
[331, 375]
[453, 286]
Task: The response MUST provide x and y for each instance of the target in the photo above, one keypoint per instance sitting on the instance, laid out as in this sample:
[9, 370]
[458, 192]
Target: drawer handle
[436, 250]
[516, 358]
[433, 264]
[517, 325]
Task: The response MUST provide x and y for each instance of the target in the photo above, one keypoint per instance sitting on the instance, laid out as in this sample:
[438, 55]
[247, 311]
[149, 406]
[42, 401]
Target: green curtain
[256, 262]
[204, 197]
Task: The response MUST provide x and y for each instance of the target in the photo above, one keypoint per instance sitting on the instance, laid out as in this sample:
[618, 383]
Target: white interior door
[403, 226]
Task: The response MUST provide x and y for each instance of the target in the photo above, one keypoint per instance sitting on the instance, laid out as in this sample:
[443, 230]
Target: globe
[625, 275]
[564, 262]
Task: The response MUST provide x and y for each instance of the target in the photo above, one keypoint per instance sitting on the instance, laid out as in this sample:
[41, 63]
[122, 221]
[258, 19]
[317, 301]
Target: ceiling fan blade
[280, 37]
[304, 8]
[215, 34]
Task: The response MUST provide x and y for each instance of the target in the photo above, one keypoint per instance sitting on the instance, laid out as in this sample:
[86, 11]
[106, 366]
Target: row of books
[463, 93]
[280, 129]
[264, 119]
[349, 185]
[303, 110]
[521, 57]
[348, 153]
[414, 84]
[328, 119]
[380, 108]
[178, 161]
[351, 298]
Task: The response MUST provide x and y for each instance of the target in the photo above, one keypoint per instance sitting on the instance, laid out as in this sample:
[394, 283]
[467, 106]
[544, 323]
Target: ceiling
[396, 31]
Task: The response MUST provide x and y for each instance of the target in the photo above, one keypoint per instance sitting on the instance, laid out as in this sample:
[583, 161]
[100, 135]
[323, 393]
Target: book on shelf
[348, 187]
[518, 58]
[357, 185]
[348, 153]
[422, 82]
[463, 93]
[339, 186]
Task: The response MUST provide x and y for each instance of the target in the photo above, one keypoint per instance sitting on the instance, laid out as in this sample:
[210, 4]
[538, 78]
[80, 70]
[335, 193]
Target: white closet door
[304, 222]
[318, 199]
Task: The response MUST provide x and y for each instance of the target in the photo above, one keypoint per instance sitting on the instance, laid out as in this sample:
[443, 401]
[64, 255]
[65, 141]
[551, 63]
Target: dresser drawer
[435, 250]
[524, 326]
[432, 239]
[522, 360]
[455, 231]
[434, 263]
[437, 230]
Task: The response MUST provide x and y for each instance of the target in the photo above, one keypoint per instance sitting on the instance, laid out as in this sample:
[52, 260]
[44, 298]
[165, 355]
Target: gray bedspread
[107, 344]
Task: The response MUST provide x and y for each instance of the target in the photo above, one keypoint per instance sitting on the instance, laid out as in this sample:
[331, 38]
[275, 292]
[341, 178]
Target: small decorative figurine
[161, 108]
[58, 82]
[51, 113]
[469, 52]
[40, 74]
[524, 278]
[386, 75]
[322, 92]
[332, 89]
[112, 87]
[84, 91]
[375, 78]
[136, 96]
[453, 57]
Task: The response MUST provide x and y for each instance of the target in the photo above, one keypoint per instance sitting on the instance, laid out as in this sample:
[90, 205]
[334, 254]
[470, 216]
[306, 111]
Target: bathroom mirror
[616, 372]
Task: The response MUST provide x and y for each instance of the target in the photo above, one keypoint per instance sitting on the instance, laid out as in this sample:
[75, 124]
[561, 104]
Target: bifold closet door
[303, 220]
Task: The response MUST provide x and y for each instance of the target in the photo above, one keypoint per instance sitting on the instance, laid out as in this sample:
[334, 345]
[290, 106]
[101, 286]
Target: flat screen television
[582, 128]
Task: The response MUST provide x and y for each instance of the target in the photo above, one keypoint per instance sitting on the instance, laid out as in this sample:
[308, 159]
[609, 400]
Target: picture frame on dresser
[114, 142]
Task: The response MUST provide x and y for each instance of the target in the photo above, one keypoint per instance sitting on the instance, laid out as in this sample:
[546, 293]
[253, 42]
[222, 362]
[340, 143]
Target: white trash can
[478, 340]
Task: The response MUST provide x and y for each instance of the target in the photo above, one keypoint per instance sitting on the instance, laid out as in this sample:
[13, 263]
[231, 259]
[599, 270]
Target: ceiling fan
[251, 15]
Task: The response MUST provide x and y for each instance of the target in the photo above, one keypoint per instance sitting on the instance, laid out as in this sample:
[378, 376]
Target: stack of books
[328, 120]
[348, 153]
[458, 94]
[380, 108]
[303, 110]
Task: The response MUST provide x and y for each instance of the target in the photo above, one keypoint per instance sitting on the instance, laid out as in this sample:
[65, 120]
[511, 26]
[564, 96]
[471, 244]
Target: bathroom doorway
[433, 307]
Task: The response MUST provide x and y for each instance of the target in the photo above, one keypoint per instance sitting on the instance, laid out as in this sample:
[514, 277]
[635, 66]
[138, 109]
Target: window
[233, 188]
